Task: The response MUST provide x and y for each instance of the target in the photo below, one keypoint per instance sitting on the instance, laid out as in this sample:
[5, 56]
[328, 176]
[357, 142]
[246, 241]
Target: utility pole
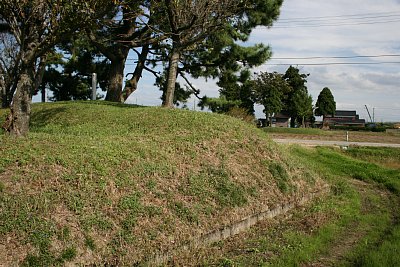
[43, 92]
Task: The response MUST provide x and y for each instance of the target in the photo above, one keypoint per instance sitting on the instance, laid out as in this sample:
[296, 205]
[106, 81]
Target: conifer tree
[326, 104]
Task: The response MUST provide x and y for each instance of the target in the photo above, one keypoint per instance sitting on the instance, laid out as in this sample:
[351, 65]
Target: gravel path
[332, 143]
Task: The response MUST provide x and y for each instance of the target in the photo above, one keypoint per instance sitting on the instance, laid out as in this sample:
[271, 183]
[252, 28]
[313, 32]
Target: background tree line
[57, 44]
[286, 93]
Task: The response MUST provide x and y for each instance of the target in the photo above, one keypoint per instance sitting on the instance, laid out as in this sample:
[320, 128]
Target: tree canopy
[199, 38]
[297, 82]
[37, 27]
[270, 90]
[325, 104]
[302, 104]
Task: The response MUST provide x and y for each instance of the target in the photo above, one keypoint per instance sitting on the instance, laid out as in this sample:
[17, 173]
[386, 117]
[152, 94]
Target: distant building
[344, 118]
[281, 120]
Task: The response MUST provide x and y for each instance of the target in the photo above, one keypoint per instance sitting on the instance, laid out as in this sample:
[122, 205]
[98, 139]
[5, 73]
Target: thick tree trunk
[115, 81]
[172, 74]
[132, 84]
[17, 122]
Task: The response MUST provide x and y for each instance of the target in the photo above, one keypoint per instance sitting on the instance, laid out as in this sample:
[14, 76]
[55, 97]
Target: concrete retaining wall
[236, 227]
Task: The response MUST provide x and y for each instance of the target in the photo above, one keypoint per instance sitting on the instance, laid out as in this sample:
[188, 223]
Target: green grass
[389, 157]
[371, 252]
[387, 253]
[281, 176]
[368, 215]
[123, 181]
[332, 161]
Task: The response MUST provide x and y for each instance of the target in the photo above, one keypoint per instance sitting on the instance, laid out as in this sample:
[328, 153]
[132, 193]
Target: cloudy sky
[329, 30]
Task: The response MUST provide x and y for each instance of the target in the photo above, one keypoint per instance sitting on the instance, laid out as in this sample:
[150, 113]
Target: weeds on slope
[355, 225]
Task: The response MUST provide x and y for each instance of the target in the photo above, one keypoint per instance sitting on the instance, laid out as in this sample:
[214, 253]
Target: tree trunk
[39, 75]
[132, 84]
[3, 94]
[116, 78]
[172, 74]
[270, 120]
[7, 91]
[17, 122]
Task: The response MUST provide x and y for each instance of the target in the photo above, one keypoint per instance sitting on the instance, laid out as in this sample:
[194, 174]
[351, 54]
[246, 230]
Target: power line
[341, 16]
[335, 57]
[340, 20]
[332, 24]
[314, 57]
[387, 108]
[309, 20]
[332, 63]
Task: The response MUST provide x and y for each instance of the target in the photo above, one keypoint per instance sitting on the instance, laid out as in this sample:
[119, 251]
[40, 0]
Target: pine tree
[326, 104]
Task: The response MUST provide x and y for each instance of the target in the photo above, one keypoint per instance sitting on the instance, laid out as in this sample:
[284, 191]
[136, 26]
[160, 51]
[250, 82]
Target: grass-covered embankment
[113, 184]
[357, 225]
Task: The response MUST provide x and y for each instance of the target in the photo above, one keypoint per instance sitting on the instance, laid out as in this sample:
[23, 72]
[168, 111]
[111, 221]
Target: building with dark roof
[344, 118]
[281, 119]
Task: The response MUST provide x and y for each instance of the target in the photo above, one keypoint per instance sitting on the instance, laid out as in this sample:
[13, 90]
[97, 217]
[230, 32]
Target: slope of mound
[98, 183]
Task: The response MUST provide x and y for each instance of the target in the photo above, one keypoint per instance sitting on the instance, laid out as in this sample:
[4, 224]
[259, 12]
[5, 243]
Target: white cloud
[353, 85]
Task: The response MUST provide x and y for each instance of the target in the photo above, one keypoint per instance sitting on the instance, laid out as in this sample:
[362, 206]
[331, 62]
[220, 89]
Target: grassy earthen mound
[99, 183]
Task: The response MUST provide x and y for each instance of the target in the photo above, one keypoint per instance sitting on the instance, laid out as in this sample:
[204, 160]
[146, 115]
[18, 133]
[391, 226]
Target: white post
[94, 86]
[347, 136]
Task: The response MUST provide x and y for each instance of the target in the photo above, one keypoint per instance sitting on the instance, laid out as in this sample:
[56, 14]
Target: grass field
[358, 225]
[109, 184]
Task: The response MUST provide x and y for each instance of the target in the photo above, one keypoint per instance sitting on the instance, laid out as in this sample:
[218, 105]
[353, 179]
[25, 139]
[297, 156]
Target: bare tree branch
[196, 92]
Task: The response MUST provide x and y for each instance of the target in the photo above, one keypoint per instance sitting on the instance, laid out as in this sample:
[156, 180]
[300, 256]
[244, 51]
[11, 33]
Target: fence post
[94, 86]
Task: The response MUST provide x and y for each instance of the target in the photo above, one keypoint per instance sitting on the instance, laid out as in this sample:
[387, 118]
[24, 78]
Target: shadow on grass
[43, 117]
[107, 103]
